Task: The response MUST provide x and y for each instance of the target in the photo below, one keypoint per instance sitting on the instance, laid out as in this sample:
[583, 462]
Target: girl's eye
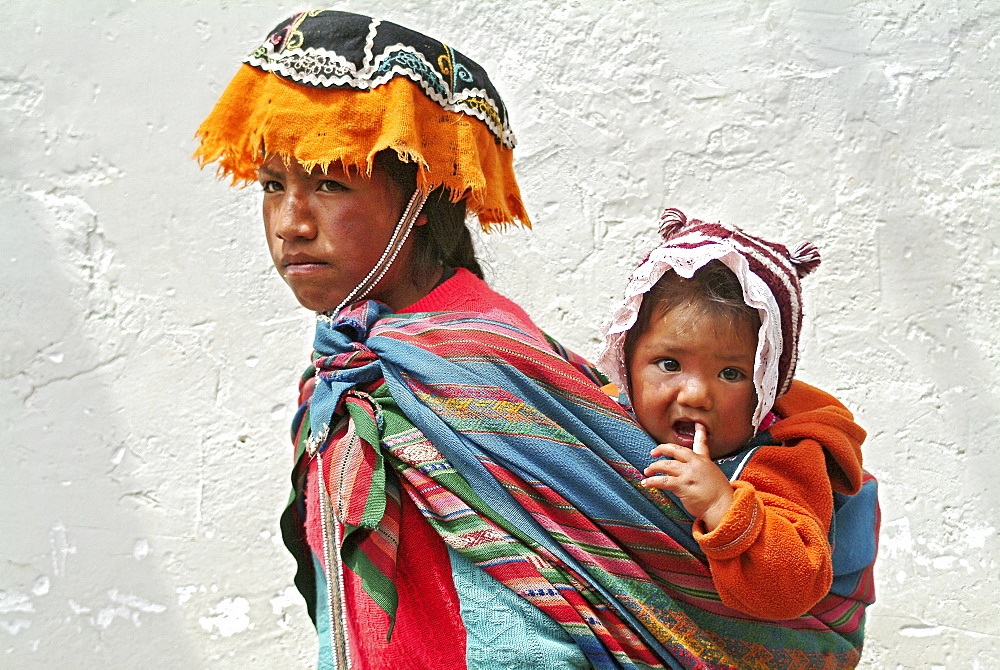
[271, 186]
[731, 374]
[668, 365]
[330, 186]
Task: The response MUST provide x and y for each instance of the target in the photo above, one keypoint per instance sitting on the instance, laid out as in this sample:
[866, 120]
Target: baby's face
[689, 367]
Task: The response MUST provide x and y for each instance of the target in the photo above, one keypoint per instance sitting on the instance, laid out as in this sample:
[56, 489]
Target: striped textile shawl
[521, 463]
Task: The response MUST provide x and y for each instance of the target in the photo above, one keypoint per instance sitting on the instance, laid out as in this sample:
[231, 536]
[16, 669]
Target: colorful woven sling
[522, 464]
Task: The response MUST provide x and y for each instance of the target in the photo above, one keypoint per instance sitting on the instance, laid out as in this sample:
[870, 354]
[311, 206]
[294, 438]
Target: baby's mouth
[684, 428]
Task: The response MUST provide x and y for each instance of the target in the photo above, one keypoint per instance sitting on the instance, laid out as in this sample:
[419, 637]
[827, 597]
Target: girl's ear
[421, 219]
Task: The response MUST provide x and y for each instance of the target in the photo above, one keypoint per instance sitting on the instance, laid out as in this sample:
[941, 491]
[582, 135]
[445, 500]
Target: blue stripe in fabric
[503, 630]
[326, 656]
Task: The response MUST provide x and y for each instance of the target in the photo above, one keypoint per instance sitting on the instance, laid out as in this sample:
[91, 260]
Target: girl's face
[327, 230]
[691, 367]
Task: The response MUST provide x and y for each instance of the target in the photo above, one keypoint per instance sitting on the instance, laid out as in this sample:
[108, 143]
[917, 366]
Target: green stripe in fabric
[780, 642]
[377, 585]
[300, 448]
[366, 429]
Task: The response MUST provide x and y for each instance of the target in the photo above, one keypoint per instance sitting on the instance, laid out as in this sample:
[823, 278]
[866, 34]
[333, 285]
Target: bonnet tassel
[672, 221]
[805, 258]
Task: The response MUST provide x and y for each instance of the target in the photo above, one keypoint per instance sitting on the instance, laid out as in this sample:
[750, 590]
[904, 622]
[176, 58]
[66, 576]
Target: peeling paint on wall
[230, 616]
[125, 606]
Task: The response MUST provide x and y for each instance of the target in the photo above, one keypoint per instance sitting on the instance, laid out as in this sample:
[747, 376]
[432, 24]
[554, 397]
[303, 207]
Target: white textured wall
[149, 352]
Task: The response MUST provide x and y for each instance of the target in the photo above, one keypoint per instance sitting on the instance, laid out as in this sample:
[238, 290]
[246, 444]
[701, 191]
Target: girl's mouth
[303, 269]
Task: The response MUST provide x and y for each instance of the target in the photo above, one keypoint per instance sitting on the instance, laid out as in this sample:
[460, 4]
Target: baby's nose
[694, 392]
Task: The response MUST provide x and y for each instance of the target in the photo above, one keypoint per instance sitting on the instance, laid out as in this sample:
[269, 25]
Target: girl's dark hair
[444, 240]
[714, 289]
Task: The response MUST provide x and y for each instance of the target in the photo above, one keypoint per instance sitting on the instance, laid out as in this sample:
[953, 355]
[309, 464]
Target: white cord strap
[335, 600]
[399, 235]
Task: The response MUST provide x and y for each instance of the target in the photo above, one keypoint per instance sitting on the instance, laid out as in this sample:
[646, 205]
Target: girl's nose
[294, 218]
[694, 392]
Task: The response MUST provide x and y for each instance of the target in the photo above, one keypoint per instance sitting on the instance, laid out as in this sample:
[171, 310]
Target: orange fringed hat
[329, 86]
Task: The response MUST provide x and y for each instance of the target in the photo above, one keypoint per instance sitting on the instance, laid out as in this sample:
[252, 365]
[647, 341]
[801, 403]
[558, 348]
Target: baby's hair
[714, 290]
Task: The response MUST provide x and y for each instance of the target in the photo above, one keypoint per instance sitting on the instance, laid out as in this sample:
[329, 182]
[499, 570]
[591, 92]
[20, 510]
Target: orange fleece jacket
[770, 556]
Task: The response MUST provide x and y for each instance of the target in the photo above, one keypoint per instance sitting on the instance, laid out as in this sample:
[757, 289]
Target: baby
[703, 350]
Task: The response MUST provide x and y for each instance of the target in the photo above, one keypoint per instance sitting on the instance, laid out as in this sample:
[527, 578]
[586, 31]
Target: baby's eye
[668, 365]
[732, 374]
[271, 186]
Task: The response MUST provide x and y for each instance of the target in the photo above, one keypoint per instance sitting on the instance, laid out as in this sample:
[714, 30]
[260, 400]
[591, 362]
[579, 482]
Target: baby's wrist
[716, 512]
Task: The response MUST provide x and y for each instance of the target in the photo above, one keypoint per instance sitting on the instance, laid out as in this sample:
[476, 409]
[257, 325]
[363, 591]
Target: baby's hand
[700, 485]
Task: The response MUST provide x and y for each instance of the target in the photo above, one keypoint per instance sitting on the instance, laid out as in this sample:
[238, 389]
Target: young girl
[704, 350]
